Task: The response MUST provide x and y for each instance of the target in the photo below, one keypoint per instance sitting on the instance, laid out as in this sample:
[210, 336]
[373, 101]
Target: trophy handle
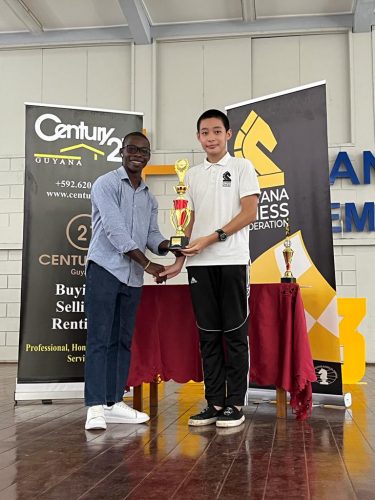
[172, 218]
[188, 217]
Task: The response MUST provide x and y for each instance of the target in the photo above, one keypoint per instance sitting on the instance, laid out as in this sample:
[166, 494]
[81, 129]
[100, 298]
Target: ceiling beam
[137, 21]
[62, 38]
[268, 27]
[281, 25]
[25, 15]
[364, 16]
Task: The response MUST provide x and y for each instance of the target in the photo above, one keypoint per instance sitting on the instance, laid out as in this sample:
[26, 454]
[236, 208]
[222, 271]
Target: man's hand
[164, 247]
[148, 266]
[155, 270]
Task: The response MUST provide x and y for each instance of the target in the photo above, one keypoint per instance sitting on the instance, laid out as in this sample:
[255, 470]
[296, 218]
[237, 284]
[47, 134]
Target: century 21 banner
[285, 137]
[67, 149]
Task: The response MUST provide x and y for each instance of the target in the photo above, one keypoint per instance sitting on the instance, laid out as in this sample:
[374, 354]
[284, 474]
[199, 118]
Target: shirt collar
[122, 173]
[224, 160]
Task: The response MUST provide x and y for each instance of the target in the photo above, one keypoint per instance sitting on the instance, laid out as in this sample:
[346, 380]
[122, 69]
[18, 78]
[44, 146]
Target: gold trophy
[180, 214]
[288, 256]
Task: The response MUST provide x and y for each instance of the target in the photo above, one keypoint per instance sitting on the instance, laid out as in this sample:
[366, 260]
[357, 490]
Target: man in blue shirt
[124, 223]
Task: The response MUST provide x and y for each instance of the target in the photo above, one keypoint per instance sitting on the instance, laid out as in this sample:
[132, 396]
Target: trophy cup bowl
[180, 214]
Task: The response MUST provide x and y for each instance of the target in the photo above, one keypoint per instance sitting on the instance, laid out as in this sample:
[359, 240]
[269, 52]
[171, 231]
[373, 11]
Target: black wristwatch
[222, 236]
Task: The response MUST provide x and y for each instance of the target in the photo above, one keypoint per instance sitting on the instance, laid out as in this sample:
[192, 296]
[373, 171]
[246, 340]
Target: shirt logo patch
[193, 280]
[226, 179]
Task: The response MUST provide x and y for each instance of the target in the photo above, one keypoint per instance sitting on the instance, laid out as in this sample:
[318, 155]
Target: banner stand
[49, 391]
[269, 395]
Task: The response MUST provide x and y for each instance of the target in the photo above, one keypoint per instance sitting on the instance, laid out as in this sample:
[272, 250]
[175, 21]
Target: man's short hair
[214, 113]
[136, 134]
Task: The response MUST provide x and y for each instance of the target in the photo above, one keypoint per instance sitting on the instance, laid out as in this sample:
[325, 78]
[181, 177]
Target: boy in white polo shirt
[223, 196]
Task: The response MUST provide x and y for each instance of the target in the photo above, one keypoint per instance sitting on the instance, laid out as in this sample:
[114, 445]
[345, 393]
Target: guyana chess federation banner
[285, 137]
[67, 149]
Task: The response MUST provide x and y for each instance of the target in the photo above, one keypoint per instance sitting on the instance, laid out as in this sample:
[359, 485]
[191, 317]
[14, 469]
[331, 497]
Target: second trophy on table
[180, 214]
[288, 256]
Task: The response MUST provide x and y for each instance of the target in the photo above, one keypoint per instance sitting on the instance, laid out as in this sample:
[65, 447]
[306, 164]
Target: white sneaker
[121, 413]
[95, 418]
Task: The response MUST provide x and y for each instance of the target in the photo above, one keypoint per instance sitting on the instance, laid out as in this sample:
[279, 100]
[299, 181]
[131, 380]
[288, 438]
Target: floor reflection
[46, 453]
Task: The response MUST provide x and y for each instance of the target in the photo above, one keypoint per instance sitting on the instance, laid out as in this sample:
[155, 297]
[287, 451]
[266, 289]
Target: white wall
[172, 82]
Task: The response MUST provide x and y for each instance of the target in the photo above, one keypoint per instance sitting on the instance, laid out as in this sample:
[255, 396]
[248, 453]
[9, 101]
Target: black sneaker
[230, 417]
[207, 416]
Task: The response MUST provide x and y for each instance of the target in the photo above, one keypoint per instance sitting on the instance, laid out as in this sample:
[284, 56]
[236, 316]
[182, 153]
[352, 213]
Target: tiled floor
[46, 453]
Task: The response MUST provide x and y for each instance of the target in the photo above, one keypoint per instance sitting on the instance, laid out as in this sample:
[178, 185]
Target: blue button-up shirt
[123, 219]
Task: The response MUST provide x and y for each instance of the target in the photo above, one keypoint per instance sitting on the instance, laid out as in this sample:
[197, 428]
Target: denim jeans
[110, 308]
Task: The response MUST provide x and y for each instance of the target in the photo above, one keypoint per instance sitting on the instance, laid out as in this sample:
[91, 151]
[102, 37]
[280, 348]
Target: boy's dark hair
[136, 134]
[214, 113]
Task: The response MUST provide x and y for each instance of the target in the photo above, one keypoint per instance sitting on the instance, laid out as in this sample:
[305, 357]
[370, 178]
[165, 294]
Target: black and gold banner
[285, 137]
[67, 148]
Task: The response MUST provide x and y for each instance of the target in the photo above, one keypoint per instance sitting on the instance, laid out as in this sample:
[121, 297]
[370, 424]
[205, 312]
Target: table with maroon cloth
[166, 342]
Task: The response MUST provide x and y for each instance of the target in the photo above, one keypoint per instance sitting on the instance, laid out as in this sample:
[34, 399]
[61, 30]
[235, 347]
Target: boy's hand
[172, 270]
[198, 245]
[176, 253]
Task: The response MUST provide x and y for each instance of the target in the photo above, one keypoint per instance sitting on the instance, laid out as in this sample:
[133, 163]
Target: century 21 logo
[82, 132]
[253, 131]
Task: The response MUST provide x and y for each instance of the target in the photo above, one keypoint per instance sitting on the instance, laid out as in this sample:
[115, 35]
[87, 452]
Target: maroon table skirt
[166, 342]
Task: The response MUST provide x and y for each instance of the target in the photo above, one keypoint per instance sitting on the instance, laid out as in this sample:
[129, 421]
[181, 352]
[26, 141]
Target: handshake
[155, 269]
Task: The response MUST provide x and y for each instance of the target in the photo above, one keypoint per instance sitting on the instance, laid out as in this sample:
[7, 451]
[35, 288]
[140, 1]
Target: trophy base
[178, 242]
[288, 280]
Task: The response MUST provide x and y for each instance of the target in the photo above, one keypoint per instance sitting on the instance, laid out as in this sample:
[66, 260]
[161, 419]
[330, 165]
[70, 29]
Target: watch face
[222, 236]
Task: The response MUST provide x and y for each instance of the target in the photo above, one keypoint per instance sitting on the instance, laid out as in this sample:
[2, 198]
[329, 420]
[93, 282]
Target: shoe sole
[230, 423]
[198, 423]
[117, 420]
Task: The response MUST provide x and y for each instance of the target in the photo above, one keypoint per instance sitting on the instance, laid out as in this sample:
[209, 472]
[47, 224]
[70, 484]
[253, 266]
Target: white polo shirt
[214, 193]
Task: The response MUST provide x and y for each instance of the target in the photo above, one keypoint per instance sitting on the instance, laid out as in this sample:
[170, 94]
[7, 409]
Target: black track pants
[220, 300]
